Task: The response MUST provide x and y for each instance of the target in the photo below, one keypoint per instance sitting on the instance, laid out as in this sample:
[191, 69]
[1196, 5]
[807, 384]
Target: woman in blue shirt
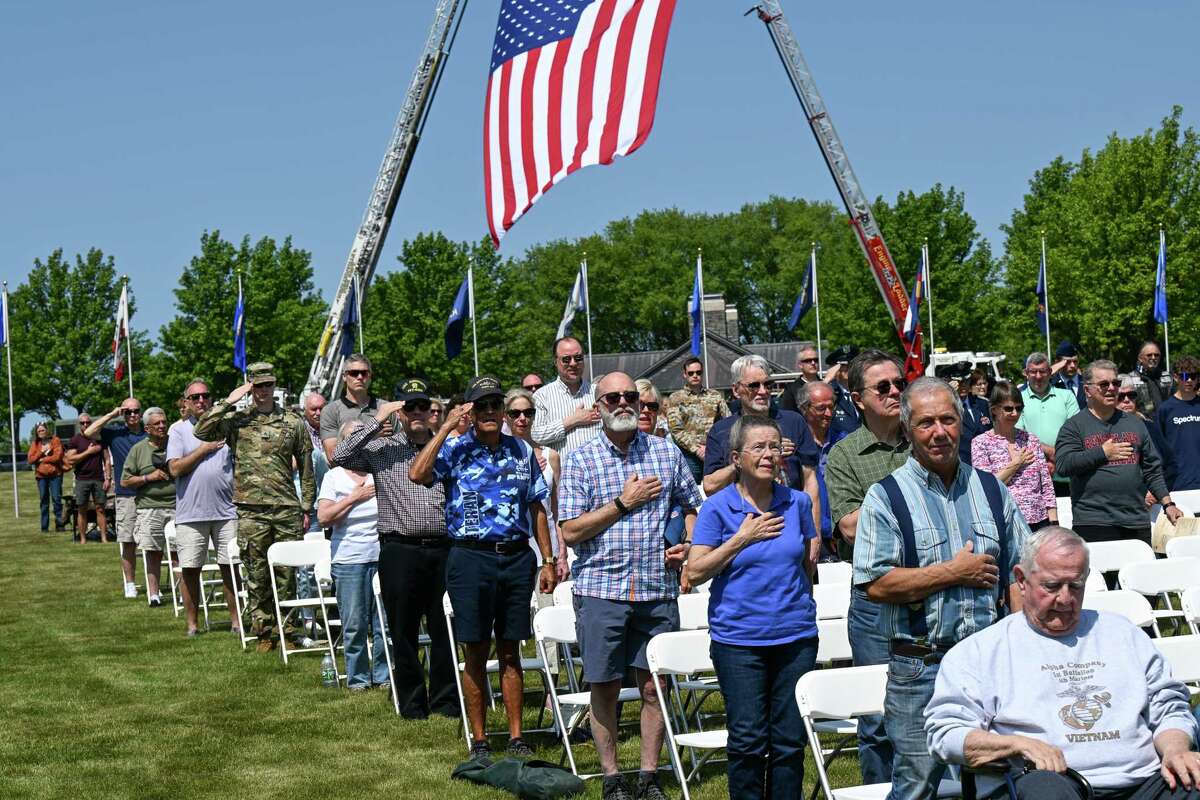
[756, 540]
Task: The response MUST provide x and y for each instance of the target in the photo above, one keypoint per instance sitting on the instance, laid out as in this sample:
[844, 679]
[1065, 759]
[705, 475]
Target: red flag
[571, 85]
[122, 331]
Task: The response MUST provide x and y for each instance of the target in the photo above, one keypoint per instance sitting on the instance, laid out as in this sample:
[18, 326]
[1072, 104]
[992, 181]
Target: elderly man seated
[1057, 686]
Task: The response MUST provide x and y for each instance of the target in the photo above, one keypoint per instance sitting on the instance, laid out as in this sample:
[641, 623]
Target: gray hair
[1099, 364]
[192, 383]
[644, 386]
[747, 362]
[1036, 357]
[804, 393]
[356, 358]
[348, 427]
[517, 394]
[1055, 537]
[153, 411]
[926, 384]
[746, 423]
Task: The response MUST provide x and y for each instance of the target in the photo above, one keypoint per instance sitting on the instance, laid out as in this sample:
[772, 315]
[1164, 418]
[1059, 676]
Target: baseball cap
[412, 389]
[483, 386]
[1066, 350]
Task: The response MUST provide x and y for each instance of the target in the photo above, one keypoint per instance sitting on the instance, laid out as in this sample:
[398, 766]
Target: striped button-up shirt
[627, 560]
[554, 402]
[944, 520]
[406, 508]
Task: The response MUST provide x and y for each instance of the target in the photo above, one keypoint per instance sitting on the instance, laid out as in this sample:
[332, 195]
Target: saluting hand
[455, 416]
[239, 392]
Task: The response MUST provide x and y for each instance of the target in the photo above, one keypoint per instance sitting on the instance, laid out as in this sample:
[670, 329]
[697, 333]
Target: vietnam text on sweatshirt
[1101, 695]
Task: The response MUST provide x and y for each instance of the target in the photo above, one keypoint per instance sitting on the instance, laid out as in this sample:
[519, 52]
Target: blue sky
[135, 126]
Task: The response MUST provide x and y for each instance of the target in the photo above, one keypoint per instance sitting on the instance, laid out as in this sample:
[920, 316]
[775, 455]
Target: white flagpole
[128, 335]
[817, 305]
[471, 308]
[358, 312]
[242, 298]
[703, 323]
[1046, 292]
[587, 307]
[1162, 246]
[12, 419]
[928, 289]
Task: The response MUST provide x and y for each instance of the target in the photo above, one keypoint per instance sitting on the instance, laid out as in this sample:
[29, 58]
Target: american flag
[573, 83]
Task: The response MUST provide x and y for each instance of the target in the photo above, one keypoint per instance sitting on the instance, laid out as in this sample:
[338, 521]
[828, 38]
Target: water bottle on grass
[329, 678]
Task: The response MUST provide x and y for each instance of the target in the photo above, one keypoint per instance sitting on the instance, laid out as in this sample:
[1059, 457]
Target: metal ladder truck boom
[325, 372]
[870, 238]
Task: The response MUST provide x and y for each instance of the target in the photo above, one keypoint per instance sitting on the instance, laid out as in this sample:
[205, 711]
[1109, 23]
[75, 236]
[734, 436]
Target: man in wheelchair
[1056, 687]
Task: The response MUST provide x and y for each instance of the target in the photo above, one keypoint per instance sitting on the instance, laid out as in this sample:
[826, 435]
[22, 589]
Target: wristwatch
[621, 507]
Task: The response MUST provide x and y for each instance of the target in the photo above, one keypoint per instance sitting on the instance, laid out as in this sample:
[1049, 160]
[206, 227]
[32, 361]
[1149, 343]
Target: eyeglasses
[434, 409]
[488, 404]
[757, 386]
[577, 359]
[417, 405]
[885, 387]
[199, 396]
[1011, 409]
[160, 424]
[1130, 396]
[358, 373]
[613, 398]
[527, 413]
[1152, 355]
[651, 406]
[1106, 385]
[758, 448]
[693, 373]
[533, 387]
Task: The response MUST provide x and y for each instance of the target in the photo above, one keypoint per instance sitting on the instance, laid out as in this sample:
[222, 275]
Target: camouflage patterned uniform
[690, 415]
[264, 448]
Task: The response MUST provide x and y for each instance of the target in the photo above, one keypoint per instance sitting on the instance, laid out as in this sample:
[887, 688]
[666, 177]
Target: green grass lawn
[103, 697]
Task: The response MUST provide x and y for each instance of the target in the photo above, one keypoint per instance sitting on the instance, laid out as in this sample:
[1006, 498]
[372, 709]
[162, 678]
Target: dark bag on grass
[529, 780]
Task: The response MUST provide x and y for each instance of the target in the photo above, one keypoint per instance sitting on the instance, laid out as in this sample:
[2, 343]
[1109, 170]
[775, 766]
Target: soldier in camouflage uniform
[267, 442]
[691, 411]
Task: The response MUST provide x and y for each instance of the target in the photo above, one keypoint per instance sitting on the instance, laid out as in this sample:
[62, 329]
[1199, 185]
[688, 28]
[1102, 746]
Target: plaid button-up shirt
[626, 561]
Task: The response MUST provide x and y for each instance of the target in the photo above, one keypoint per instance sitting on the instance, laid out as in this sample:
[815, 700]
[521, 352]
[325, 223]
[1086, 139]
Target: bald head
[615, 382]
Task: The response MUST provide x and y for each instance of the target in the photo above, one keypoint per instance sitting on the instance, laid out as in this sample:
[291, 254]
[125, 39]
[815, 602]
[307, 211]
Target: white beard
[619, 423]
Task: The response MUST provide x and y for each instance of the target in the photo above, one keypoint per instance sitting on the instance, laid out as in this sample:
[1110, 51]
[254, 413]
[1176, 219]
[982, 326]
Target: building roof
[664, 368]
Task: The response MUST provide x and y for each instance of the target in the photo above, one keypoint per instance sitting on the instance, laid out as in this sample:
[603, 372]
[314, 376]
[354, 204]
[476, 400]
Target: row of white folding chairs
[208, 583]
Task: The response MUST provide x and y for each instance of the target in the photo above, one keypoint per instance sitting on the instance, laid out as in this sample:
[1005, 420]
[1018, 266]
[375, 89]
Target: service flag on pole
[4, 319]
[1160, 281]
[121, 332]
[697, 310]
[460, 312]
[575, 303]
[239, 332]
[1042, 318]
[571, 85]
[804, 302]
[912, 319]
[350, 320]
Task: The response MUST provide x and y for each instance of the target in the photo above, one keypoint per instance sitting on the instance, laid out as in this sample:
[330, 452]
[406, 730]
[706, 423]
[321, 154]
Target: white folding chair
[1161, 578]
[554, 626]
[1183, 654]
[832, 600]
[833, 641]
[239, 593]
[208, 585]
[693, 612]
[385, 638]
[173, 568]
[1184, 547]
[1188, 501]
[835, 572]
[703, 588]
[674, 655]
[847, 693]
[564, 593]
[1190, 602]
[1065, 517]
[172, 562]
[295, 555]
[1111, 556]
[1095, 582]
[1128, 604]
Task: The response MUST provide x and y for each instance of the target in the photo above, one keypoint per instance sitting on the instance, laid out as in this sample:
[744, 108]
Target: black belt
[503, 548]
[929, 654]
[415, 541]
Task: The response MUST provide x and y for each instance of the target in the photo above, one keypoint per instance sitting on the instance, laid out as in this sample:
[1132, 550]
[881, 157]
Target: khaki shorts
[126, 518]
[192, 539]
[149, 527]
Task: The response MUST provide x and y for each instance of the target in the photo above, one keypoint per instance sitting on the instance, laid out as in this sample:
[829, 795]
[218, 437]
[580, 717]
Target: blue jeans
[50, 489]
[356, 606]
[766, 736]
[869, 647]
[916, 774]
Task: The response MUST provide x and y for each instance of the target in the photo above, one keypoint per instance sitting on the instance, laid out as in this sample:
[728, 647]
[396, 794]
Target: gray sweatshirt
[1101, 695]
[1107, 492]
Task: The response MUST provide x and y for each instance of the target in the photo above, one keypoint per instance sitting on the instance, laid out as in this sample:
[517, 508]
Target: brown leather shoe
[265, 645]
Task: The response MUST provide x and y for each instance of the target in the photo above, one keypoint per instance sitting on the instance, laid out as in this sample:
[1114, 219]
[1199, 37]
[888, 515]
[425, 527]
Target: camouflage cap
[412, 389]
[260, 372]
[483, 386]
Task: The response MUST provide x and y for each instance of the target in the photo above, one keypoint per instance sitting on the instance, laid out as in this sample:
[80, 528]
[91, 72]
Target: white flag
[576, 302]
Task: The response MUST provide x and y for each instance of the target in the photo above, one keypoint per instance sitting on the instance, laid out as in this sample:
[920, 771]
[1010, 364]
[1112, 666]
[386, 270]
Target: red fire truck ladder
[870, 238]
[325, 372]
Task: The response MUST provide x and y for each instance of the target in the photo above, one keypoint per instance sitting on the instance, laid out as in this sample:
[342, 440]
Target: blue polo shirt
[488, 491]
[764, 596]
[792, 425]
[831, 438]
[120, 440]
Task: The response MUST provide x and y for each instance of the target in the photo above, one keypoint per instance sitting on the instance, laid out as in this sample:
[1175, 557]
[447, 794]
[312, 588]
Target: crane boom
[324, 374]
[866, 228]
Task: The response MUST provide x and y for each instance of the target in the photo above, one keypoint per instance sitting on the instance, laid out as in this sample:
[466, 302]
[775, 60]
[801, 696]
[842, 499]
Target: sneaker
[648, 789]
[615, 788]
[482, 751]
[131, 590]
[518, 748]
[155, 600]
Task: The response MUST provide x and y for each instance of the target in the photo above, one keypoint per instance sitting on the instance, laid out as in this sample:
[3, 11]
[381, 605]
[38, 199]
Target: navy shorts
[613, 634]
[490, 591]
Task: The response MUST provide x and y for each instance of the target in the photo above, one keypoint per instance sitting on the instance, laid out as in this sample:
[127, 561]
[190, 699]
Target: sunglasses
[358, 373]
[527, 413]
[1187, 376]
[270, 385]
[199, 396]
[1011, 409]
[756, 386]
[1106, 385]
[417, 405]
[488, 404]
[694, 373]
[571, 359]
[651, 406]
[613, 398]
[885, 387]
[533, 387]
[128, 412]
[808, 361]
[1130, 396]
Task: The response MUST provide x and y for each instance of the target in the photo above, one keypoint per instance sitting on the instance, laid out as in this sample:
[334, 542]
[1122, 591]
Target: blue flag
[239, 332]
[1160, 281]
[460, 312]
[350, 319]
[1042, 319]
[697, 312]
[804, 302]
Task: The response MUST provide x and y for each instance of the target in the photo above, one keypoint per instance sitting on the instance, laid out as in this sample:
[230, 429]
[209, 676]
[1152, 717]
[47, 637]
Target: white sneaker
[131, 590]
[156, 600]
